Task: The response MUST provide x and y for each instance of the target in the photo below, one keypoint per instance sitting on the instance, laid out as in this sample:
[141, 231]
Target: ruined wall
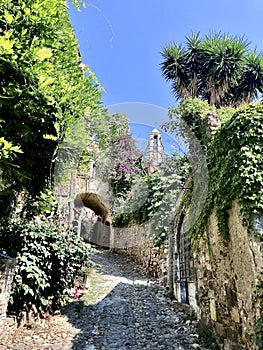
[7, 270]
[226, 282]
[136, 242]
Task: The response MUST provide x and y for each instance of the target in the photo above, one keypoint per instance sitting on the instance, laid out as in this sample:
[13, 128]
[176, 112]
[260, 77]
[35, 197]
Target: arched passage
[95, 203]
[101, 228]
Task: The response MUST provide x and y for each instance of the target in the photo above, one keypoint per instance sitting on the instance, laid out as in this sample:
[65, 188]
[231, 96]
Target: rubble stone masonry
[227, 276]
[7, 270]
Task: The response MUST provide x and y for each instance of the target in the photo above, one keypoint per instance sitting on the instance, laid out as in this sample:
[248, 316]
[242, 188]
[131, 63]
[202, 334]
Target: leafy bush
[152, 199]
[44, 92]
[49, 257]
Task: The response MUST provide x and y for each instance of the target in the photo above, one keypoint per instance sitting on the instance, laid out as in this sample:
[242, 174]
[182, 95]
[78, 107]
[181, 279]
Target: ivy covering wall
[234, 156]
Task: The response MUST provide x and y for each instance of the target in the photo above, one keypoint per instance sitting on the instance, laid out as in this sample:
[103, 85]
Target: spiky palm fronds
[250, 85]
[219, 68]
[221, 63]
[174, 69]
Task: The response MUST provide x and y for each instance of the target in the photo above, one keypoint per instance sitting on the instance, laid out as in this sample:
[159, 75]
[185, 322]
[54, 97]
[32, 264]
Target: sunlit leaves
[44, 89]
[43, 53]
[7, 150]
[6, 44]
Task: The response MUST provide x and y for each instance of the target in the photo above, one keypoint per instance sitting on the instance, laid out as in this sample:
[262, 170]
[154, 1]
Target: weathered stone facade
[7, 270]
[222, 287]
[136, 242]
[226, 279]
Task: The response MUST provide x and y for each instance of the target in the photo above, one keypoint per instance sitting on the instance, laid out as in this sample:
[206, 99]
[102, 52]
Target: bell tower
[156, 149]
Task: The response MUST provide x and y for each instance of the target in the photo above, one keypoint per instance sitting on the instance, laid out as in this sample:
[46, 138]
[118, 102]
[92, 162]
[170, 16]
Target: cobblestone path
[123, 310]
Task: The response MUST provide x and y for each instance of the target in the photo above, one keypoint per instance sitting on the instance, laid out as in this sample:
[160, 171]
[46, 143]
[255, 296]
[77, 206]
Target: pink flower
[76, 294]
[69, 243]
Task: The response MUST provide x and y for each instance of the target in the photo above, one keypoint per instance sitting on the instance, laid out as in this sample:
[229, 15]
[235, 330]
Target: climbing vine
[235, 164]
[188, 118]
[234, 160]
[152, 198]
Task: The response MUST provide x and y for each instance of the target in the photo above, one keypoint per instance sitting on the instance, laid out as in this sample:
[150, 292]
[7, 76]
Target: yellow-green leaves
[27, 11]
[45, 81]
[50, 137]
[8, 17]
[6, 43]
[43, 91]
[43, 53]
[7, 149]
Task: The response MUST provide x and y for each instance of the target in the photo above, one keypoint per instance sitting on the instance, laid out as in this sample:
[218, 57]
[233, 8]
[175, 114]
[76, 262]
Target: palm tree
[192, 60]
[221, 65]
[173, 69]
[250, 85]
[182, 67]
[219, 68]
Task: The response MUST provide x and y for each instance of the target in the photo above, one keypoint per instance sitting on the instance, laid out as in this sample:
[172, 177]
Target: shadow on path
[132, 314]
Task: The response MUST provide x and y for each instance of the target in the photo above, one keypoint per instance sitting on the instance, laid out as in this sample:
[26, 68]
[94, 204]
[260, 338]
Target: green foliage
[7, 155]
[188, 119]
[43, 204]
[49, 257]
[7, 150]
[162, 204]
[152, 198]
[233, 156]
[189, 115]
[44, 89]
[235, 164]
[226, 113]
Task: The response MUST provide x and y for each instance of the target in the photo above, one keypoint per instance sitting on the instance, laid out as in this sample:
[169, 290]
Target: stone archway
[99, 232]
[96, 204]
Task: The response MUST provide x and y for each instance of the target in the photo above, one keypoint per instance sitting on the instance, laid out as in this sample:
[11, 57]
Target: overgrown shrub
[49, 256]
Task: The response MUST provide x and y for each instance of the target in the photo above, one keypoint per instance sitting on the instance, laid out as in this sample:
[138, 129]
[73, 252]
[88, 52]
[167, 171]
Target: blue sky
[121, 40]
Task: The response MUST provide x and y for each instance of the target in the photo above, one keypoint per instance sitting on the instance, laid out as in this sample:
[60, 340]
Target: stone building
[220, 280]
[156, 150]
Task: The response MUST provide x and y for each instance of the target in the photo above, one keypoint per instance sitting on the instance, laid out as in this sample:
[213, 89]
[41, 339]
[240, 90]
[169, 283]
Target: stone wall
[222, 291]
[226, 282]
[7, 270]
[136, 242]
